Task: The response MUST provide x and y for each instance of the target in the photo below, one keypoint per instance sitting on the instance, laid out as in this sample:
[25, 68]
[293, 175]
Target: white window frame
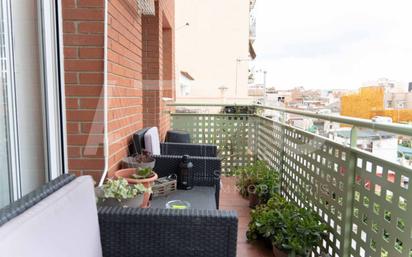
[53, 96]
[50, 26]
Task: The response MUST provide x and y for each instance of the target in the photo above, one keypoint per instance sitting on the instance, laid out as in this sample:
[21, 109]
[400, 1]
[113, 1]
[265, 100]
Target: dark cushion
[177, 136]
[138, 142]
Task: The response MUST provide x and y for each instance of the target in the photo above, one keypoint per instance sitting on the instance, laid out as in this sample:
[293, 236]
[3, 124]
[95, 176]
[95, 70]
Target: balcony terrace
[363, 198]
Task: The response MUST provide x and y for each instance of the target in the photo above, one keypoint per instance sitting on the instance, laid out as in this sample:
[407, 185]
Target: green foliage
[121, 190]
[407, 143]
[288, 227]
[257, 178]
[267, 186]
[142, 173]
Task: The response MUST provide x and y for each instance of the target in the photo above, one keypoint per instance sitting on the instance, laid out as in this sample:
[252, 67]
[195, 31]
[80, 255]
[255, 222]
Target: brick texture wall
[83, 25]
[158, 65]
[125, 77]
[140, 73]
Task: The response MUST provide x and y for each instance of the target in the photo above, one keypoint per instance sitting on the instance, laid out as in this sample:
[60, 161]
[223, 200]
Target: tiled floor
[230, 199]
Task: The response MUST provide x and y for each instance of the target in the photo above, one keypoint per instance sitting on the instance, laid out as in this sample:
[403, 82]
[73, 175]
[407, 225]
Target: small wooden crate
[164, 186]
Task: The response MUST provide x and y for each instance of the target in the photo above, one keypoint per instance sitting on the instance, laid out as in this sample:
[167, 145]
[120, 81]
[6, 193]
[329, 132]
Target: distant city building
[185, 81]
[388, 101]
[381, 144]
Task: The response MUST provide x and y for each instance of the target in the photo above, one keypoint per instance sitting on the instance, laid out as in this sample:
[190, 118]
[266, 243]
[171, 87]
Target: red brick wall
[140, 73]
[125, 77]
[158, 65]
[83, 25]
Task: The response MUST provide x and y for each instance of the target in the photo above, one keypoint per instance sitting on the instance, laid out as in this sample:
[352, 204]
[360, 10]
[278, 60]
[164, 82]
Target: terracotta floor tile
[253, 250]
[230, 199]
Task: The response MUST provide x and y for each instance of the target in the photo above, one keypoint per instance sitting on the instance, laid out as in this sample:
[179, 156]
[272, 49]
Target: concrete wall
[218, 34]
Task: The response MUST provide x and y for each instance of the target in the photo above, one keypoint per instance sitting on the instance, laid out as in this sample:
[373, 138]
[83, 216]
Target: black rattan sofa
[122, 232]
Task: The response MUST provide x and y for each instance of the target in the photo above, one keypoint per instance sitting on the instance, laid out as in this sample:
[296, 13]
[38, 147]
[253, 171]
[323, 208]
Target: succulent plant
[142, 173]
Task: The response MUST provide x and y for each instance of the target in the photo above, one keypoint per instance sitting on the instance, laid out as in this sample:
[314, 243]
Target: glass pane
[4, 138]
[29, 90]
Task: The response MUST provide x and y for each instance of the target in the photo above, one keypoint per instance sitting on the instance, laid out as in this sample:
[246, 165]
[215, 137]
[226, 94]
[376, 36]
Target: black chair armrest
[206, 169]
[206, 150]
[134, 232]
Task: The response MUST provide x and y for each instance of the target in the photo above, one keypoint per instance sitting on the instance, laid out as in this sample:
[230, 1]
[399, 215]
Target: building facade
[79, 78]
[378, 101]
[213, 46]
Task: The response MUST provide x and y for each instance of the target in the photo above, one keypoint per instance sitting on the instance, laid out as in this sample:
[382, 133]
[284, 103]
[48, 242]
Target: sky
[325, 44]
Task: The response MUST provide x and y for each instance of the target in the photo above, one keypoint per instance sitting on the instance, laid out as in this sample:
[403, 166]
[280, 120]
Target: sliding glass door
[6, 107]
[30, 114]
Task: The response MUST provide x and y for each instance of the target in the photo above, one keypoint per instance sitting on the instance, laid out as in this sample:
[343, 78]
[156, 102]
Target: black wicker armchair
[167, 148]
[206, 164]
[124, 232]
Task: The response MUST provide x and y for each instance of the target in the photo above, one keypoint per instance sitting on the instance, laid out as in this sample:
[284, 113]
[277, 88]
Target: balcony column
[158, 70]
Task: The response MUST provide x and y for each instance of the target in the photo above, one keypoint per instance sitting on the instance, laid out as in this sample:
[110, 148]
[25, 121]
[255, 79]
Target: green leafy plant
[289, 228]
[142, 173]
[267, 185]
[257, 178]
[120, 189]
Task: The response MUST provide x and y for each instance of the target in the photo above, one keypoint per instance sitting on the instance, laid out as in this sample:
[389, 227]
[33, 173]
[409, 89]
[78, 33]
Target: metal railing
[363, 198]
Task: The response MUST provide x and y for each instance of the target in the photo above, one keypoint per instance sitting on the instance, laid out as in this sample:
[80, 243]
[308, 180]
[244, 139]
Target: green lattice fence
[316, 175]
[362, 198]
[382, 220]
[233, 134]
[269, 141]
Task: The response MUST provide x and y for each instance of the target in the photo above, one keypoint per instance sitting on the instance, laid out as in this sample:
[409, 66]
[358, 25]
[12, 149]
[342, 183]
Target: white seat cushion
[152, 141]
[64, 224]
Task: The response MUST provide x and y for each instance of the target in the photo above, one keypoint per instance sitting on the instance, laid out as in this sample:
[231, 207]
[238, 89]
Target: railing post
[354, 137]
[282, 155]
[256, 128]
[349, 189]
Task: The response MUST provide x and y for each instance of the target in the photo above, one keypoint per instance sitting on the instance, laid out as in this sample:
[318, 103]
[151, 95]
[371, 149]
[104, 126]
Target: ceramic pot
[127, 203]
[135, 202]
[147, 182]
[130, 162]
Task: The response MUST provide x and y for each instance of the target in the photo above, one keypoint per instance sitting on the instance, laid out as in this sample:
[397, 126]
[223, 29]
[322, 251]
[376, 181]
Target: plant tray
[164, 186]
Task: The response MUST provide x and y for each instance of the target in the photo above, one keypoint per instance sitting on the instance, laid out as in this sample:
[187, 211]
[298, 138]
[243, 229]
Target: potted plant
[142, 160]
[257, 182]
[267, 186]
[291, 230]
[247, 178]
[144, 176]
[118, 192]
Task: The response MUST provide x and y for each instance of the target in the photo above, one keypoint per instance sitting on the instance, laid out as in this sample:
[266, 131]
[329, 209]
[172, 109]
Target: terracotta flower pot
[147, 182]
[253, 200]
[280, 253]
